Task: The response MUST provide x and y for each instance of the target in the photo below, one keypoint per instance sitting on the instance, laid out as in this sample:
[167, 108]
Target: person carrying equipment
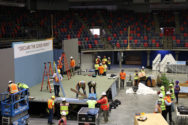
[168, 103]
[13, 88]
[51, 109]
[101, 69]
[105, 68]
[63, 120]
[136, 78]
[64, 106]
[96, 68]
[57, 82]
[109, 63]
[104, 106]
[92, 84]
[122, 78]
[163, 106]
[72, 65]
[81, 84]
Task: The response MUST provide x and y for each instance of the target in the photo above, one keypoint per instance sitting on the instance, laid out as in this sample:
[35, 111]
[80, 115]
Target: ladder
[46, 74]
[65, 63]
[50, 69]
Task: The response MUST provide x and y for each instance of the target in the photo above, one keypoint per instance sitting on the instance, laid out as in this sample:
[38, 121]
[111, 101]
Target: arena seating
[23, 24]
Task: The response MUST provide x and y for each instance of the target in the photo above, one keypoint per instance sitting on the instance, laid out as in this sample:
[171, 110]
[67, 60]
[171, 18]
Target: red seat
[125, 41]
[120, 32]
[87, 39]
[157, 44]
[90, 46]
[109, 38]
[186, 44]
[173, 37]
[161, 34]
[178, 41]
[135, 41]
[115, 35]
[145, 44]
[185, 34]
[96, 36]
[138, 34]
[96, 42]
[153, 40]
[145, 38]
[79, 43]
[125, 29]
[68, 36]
[130, 38]
[138, 28]
[148, 29]
[182, 28]
[117, 45]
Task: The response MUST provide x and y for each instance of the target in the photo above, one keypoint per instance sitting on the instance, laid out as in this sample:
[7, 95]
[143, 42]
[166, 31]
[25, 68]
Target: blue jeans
[50, 116]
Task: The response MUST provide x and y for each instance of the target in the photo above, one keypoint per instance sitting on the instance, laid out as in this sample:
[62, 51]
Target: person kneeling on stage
[81, 84]
[92, 84]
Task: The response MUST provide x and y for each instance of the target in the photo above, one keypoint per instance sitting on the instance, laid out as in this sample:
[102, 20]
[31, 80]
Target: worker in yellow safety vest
[98, 59]
[91, 103]
[104, 60]
[51, 109]
[109, 63]
[162, 88]
[163, 105]
[96, 68]
[64, 106]
[171, 88]
[136, 78]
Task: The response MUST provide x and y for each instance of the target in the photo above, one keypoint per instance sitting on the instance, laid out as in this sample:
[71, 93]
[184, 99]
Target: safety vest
[13, 88]
[163, 106]
[109, 61]
[22, 85]
[172, 95]
[122, 75]
[50, 104]
[105, 67]
[72, 63]
[168, 99]
[96, 66]
[104, 60]
[91, 103]
[64, 108]
[163, 92]
[101, 69]
[81, 83]
[106, 104]
[136, 76]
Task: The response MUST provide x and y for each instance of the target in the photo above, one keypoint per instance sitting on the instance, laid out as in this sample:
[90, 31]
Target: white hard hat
[103, 93]
[98, 56]
[142, 67]
[108, 57]
[63, 113]
[63, 99]
[160, 95]
[10, 82]
[71, 57]
[100, 64]
[168, 93]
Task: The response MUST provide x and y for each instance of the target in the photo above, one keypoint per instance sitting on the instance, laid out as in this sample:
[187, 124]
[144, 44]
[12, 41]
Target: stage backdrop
[29, 61]
[7, 68]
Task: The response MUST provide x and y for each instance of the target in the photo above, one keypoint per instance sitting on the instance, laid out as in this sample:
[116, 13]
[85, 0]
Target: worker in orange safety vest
[72, 65]
[101, 69]
[13, 88]
[104, 106]
[168, 103]
[51, 109]
[122, 78]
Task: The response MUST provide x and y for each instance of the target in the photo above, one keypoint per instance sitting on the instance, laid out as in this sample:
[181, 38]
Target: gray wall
[6, 68]
[70, 48]
[87, 61]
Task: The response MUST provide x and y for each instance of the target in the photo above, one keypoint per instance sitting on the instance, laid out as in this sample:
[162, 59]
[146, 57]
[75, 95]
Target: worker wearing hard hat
[122, 76]
[81, 84]
[12, 89]
[162, 106]
[72, 65]
[57, 82]
[136, 78]
[92, 84]
[104, 106]
[109, 63]
[91, 103]
[105, 68]
[63, 120]
[64, 106]
[101, 69]
[168, 103]
[171, 88]
[98, 59]
[60, 65]
[162, 90]
[51, 109]
[96, 66]
[104, 60]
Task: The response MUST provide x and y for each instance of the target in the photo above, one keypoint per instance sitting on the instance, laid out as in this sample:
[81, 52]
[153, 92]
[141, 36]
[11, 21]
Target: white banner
[32, 48]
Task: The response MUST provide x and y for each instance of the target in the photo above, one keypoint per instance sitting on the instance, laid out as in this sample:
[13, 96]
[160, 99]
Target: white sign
[32, 48]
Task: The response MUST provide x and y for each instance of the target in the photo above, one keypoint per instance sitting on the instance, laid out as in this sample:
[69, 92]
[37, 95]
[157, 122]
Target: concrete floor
[131, 104]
